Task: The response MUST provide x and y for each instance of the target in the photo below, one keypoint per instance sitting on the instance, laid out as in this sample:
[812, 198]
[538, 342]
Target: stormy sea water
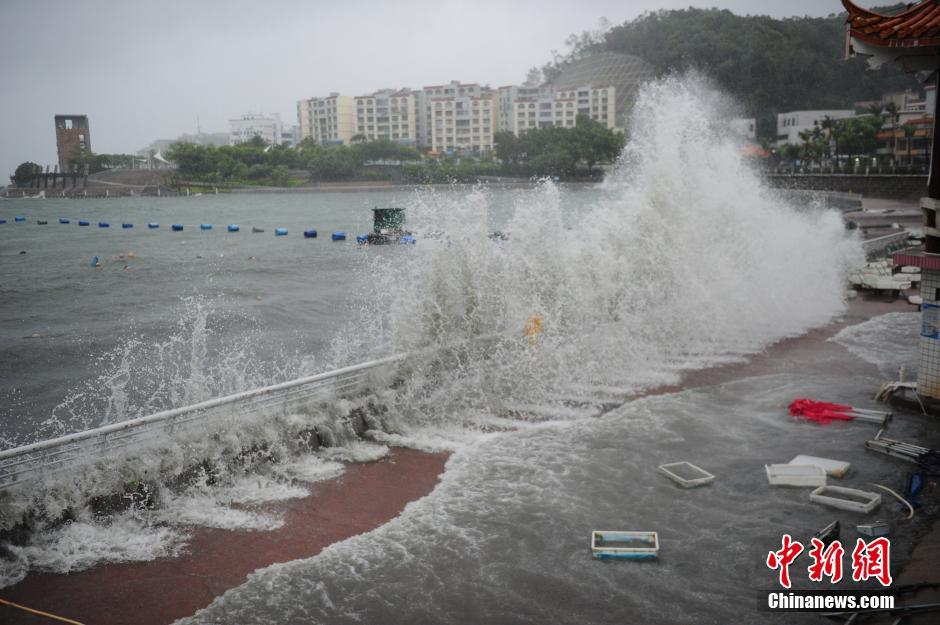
[681, 260]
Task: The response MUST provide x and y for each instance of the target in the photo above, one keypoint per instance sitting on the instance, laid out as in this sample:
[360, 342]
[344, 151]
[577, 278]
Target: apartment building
[444, 98]
[243, 129]
[387, 114]
[562, 108]
[463, 123]
[327, 120]
[506, 99]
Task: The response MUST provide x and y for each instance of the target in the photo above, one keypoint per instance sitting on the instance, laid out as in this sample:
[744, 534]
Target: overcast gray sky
[144, 69]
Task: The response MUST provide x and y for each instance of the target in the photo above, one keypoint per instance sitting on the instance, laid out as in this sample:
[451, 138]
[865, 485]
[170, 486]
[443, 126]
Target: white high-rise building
[268, 127]
[387, 114]
[507, 97]
[452, 91]
[461, 119]
[562, 108]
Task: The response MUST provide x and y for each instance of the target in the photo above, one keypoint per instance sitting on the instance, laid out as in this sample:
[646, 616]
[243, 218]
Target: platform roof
[910, 37]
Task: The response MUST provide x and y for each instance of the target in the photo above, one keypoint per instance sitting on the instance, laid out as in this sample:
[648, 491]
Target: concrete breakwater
[887, 186]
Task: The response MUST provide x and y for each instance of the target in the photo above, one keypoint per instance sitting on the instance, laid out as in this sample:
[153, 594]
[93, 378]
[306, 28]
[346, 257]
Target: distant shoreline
[205, 189]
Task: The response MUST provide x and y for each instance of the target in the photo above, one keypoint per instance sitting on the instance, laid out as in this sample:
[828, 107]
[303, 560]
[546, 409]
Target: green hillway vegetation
[766, 65]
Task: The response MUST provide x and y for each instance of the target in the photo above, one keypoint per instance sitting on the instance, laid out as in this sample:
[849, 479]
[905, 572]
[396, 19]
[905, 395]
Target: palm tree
[909, 130]
[828, 124]
[891, 112]
[808, 137]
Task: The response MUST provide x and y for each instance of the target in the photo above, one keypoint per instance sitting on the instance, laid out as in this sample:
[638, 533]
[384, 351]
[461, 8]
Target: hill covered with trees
[768, 65]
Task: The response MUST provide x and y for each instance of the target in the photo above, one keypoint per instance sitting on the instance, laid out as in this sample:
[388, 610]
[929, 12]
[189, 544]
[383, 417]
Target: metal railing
[33, 462]
[886, 244]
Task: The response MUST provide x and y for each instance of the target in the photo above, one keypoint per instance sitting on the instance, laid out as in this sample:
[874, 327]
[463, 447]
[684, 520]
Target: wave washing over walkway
[686, 261]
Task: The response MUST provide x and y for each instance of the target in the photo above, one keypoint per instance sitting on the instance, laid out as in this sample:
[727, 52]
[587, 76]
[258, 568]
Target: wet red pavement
[365, 497]
[161, 591]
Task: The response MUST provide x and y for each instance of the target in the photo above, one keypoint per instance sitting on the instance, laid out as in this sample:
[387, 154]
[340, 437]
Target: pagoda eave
[914, 55]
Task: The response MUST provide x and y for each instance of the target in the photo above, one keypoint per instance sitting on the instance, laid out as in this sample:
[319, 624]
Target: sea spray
[210, 353]
[683, 260]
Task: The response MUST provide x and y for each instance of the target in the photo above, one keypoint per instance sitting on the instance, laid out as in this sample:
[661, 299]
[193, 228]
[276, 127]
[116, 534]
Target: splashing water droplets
[682, 259]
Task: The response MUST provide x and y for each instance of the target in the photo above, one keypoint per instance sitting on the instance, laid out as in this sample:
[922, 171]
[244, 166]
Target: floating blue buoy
[280, 232]
[63, 220]
[339, 236]
[94, 261]
[233, 228]
[407, 240]
[153, 225]
[103, 224]
[362, 238]
[310, 234]
[126, 226]
[83, 222]
[19, 218]
[205, 226]
[177, 227]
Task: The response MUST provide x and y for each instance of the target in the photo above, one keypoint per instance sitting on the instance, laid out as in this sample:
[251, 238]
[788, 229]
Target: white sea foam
[310, 468]
[356, 452]
[79, 544]
[889, 341]
[683, 259]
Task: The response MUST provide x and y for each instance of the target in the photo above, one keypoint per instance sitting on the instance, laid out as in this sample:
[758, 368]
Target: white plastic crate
[685, 474]
[835, 468]
[795, 475]
[850, 499]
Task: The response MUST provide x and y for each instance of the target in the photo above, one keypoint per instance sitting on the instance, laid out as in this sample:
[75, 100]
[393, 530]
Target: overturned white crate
[685, 474]
[843, 498]
[795, 475]
[835, 468]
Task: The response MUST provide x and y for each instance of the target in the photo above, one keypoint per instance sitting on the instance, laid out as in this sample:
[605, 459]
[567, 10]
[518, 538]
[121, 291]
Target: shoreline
[158, 592]
[204, 189]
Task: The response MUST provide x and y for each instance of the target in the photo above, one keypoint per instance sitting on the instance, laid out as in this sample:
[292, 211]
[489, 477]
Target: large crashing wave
[684, 259]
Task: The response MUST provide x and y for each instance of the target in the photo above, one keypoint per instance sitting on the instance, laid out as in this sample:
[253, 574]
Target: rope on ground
[899, 498]
[61, 619]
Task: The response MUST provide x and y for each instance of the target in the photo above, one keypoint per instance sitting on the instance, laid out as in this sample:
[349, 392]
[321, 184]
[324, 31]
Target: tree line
[552, 151]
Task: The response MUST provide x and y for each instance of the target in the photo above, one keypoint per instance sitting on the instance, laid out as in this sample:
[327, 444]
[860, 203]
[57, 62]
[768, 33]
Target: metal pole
[933, 182]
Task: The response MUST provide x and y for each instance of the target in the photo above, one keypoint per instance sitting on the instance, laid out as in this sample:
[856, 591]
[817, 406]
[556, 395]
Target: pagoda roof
[917, 26]
[910, 38]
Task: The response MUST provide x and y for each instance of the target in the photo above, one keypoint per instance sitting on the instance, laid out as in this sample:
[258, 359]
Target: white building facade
[451, 92]
[792, 123]
[387, 115]
[562, 108]
[463, 123]
[268, 127]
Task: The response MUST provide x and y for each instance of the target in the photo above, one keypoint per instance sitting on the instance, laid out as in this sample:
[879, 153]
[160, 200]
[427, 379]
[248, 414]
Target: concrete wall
[876, 185]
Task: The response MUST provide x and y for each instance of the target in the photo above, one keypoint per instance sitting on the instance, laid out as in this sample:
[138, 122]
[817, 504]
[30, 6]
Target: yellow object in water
[533, 328]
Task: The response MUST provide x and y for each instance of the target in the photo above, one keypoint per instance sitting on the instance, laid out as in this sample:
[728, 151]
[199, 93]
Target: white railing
[885, 243]
[39, 460]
